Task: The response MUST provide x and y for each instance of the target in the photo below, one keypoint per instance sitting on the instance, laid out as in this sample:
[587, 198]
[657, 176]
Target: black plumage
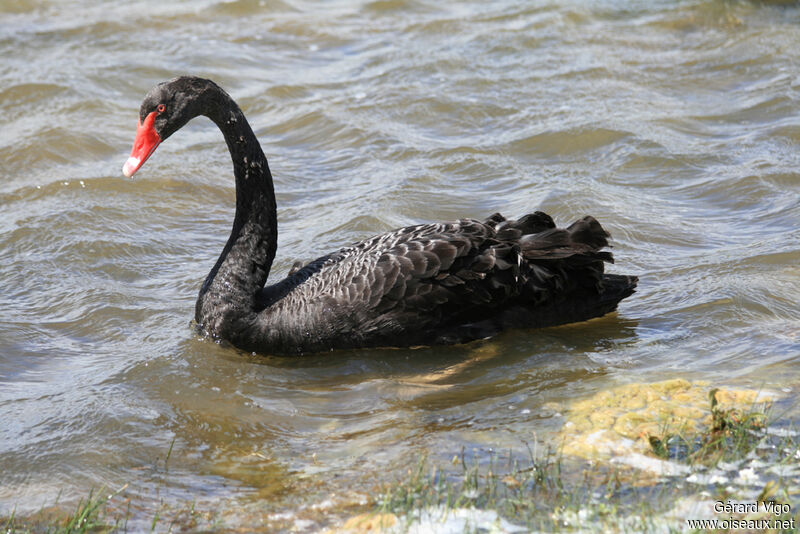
[420, 285]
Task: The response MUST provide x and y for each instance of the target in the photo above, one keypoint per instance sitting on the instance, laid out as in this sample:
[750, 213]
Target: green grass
[544, 492]
[100, 513]
[89, 515]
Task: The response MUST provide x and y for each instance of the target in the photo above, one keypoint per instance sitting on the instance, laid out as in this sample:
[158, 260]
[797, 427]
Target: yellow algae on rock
[734, 399]
[601, 420]
[621, 420]
[633, 424]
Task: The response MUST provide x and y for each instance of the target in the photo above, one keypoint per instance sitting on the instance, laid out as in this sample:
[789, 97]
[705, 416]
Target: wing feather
[434, 275]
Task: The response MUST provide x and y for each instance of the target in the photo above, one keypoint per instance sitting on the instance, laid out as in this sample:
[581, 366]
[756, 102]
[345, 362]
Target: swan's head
[165, 109]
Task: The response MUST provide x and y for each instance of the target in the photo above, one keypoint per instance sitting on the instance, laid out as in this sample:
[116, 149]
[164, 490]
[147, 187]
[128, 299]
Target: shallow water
[676, 124]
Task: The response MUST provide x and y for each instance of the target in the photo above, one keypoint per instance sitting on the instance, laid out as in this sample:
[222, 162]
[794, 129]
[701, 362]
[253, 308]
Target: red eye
[161, 108]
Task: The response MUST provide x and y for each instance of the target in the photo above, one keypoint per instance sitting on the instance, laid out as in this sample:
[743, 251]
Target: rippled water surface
[676, 124]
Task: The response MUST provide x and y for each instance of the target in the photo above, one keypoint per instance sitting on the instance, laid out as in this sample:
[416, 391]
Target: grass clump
[545, 492]
[732, 435]
[89, 515]
[473, 487]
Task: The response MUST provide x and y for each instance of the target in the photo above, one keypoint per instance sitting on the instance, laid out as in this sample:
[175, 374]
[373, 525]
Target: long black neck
[228, 294]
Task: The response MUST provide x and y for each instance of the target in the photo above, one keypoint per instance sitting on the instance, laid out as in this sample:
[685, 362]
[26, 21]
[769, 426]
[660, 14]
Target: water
[676, 124]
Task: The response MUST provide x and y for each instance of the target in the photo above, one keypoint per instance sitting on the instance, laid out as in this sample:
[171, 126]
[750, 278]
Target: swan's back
[441, 283]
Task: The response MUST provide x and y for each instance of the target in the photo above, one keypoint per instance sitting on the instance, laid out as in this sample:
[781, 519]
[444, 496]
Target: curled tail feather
[563, 269]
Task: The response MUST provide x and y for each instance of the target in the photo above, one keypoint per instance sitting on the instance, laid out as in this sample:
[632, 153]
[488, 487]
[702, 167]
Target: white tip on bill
[131, 166]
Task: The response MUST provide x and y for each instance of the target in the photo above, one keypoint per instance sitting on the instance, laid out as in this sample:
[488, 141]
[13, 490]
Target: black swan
[428, 284]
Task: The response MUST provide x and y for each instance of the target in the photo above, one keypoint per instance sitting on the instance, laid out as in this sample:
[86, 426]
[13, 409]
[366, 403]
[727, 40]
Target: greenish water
[676, 124]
